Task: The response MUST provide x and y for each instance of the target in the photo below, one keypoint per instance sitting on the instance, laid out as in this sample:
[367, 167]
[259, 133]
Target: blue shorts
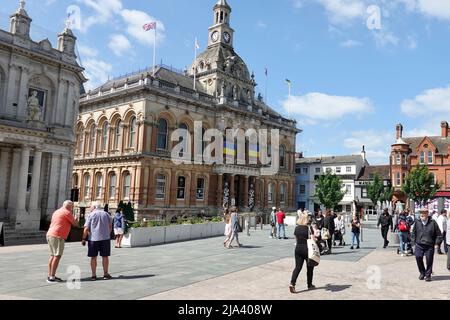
[99, 247]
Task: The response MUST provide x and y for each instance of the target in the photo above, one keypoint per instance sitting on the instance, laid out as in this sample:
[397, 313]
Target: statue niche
[35, 105]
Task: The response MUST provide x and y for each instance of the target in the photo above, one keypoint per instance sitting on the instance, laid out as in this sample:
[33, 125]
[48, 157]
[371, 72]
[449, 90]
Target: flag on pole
[267, 72]
[149, 26]
[288, 82]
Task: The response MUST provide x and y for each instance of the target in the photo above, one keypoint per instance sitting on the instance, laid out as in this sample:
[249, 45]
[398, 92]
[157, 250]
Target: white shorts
[118, 231]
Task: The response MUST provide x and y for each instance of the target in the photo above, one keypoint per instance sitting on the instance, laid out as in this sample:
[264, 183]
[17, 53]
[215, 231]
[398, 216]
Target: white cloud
[135, 20]
[423, 132]
[350, 44]
[49, 2]
[97, 71]
[435, 8]
[86, 51]
[344, 11]
[119, 44]
[319, 106]
[104, 11]
[384, 38]
[432, 101]
[377, 144]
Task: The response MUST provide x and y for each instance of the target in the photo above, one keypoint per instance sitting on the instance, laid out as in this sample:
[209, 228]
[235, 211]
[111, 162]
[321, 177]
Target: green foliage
[329, 190]
[387, 194]
[420, 186]
[217, 219]
[375, 189]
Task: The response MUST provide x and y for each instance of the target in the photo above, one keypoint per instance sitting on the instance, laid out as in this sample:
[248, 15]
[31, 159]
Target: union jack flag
[149, 26]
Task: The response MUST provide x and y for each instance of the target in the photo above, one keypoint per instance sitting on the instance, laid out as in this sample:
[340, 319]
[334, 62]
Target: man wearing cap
[426, 235]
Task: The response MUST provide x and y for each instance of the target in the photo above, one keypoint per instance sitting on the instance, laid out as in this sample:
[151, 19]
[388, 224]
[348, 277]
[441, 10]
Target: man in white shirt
[442, 223]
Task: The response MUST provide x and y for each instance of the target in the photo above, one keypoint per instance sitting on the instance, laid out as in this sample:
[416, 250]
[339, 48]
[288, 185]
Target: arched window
[160, 186]
[99, 185]
[282, 193]
[80, 141]
[430, 157]
[117, 134]
[87, 186]
[181, 188]
[92, 139]
[422, 157]
[112, 185]
[399, 159]
[132, 134]
[126, 185]
[184, 137]
[75, 181]
[105, 130]
[162, 134]
[282, 157]
[200, 189]
[270, 192]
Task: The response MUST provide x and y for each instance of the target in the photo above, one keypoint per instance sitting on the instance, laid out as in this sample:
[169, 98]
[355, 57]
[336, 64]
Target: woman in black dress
[302, 233]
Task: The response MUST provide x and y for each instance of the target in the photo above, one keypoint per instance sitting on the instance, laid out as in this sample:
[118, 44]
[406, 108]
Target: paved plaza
[205, 270]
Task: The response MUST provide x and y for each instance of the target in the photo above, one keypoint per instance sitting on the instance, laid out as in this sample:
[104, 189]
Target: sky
[357, 67]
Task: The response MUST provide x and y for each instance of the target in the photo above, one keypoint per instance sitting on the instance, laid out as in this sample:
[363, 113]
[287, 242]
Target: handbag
[325, 234]
[313, 251]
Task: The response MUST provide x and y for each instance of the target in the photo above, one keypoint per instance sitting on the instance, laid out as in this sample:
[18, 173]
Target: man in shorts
[97, 231]
[62, 221]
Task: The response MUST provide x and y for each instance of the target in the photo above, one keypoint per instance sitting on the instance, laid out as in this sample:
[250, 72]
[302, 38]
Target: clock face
[226, 37]
[215, 36]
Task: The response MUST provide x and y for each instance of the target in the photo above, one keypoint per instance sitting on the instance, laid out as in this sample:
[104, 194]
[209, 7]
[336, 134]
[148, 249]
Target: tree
[387, 194]
[375, 189]
[329, 190]
[420, 186]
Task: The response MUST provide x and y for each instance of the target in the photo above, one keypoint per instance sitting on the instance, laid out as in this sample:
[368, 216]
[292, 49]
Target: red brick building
[433, 152]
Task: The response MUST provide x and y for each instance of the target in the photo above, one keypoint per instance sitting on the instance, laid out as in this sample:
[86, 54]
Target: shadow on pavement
[441, 278]
[329, 287]
[120, 278]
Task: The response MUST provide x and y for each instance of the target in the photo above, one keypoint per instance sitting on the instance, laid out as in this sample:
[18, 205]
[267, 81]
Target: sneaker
[352, 248]
[428, 279]
[422, 277]
[51, 280]
[107, 277]
[292, 289]
[311, 287]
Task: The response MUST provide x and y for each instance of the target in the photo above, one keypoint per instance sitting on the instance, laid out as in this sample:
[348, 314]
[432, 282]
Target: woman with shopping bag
[305, 251]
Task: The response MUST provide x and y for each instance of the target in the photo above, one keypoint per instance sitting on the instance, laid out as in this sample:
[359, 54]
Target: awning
[443, 194]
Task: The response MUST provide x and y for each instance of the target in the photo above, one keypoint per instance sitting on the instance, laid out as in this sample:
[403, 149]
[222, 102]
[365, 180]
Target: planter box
[144, 237]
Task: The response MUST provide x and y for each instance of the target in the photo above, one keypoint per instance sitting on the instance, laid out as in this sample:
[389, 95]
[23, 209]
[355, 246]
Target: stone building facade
[124, 134]
[39, 98]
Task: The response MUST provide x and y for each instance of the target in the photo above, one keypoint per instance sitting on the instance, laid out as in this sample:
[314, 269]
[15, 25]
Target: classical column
[191, 195]
[4, 161]
[245, 197]
[154, 138]
[62, 192]
[121, 138]
[220, 190]
[13, 185]
[232, 190]
[172, 197]
[143, 194]
[151, 187]
[35, 180]
[22, 178]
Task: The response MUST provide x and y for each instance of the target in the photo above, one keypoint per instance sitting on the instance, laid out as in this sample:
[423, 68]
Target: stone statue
[226, 195]
[222, 89]
[249, 96]
[235, 93]
[34, 109]
[229, 64]
[260, 97]
[251, 198]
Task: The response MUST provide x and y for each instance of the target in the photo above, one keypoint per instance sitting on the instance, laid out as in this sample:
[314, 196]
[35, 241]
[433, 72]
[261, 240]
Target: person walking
[97, 230]
[426, 235]
[339, 231]
[273, 223]
[442, 223]
[385, 221]
[302, 233]
[234, 228]
[228, 231]
[119, 227]
[318, 224]
[404, 229]
[356, 231]
[448, 241]
[62, 221]
[280, 224]
[328, 223]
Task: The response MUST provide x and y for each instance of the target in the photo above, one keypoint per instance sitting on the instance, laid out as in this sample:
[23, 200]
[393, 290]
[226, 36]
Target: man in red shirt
[280, 224]
[62, 221]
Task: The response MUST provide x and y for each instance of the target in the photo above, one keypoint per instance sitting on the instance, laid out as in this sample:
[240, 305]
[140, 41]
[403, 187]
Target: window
[349, 169]
[117, 134]
[270, 193]
[126, 185]
[399, 183]
[422, 157]
[348, 208]
[302, 189]
[132, 133]
[405, 159]
[75, 181]
[448, 184]
[434, 177]
[338, 169]
[304, 170]
[105, 130]
[87, 186]
[112, 186]
[399, 159]
[162, 134]
[298, 170]
[200, 189]
[181, 188]
[160, 186]
[184, 137]
[317, 170]
[364, 192]
[348, 190]
[99, 185]
[430, 157]
[30, 173]
[282, 157]
[80, 141]
[92, 139]
[282, 193]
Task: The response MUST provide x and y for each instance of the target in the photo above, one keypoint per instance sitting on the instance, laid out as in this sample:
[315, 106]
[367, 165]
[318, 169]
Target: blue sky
[350, 84]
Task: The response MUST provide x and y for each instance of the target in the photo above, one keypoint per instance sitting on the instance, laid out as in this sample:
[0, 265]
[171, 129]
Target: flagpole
[154, 53]
[267, 79]
[195, 62]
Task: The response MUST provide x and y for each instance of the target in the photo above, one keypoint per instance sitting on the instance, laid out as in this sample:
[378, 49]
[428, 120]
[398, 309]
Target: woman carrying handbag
[303, 235]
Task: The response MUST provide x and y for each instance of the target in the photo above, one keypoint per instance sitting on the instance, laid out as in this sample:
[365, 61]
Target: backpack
[403, 226]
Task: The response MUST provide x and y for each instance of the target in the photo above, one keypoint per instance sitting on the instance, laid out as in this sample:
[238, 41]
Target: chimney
[445, 129]
[363, 153]
[399, 131]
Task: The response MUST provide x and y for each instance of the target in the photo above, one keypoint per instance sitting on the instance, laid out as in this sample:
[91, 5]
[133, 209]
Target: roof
[383, 171]
[331, 160]
[440, 143]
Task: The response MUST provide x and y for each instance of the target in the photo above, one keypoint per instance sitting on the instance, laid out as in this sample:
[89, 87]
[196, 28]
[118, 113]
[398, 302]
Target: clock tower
[221, 32]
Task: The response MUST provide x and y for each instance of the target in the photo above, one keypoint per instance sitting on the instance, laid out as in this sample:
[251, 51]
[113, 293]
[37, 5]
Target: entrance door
[238, 189]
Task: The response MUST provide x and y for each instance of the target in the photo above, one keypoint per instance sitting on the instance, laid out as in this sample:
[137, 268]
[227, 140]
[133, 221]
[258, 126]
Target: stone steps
[13, 237]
